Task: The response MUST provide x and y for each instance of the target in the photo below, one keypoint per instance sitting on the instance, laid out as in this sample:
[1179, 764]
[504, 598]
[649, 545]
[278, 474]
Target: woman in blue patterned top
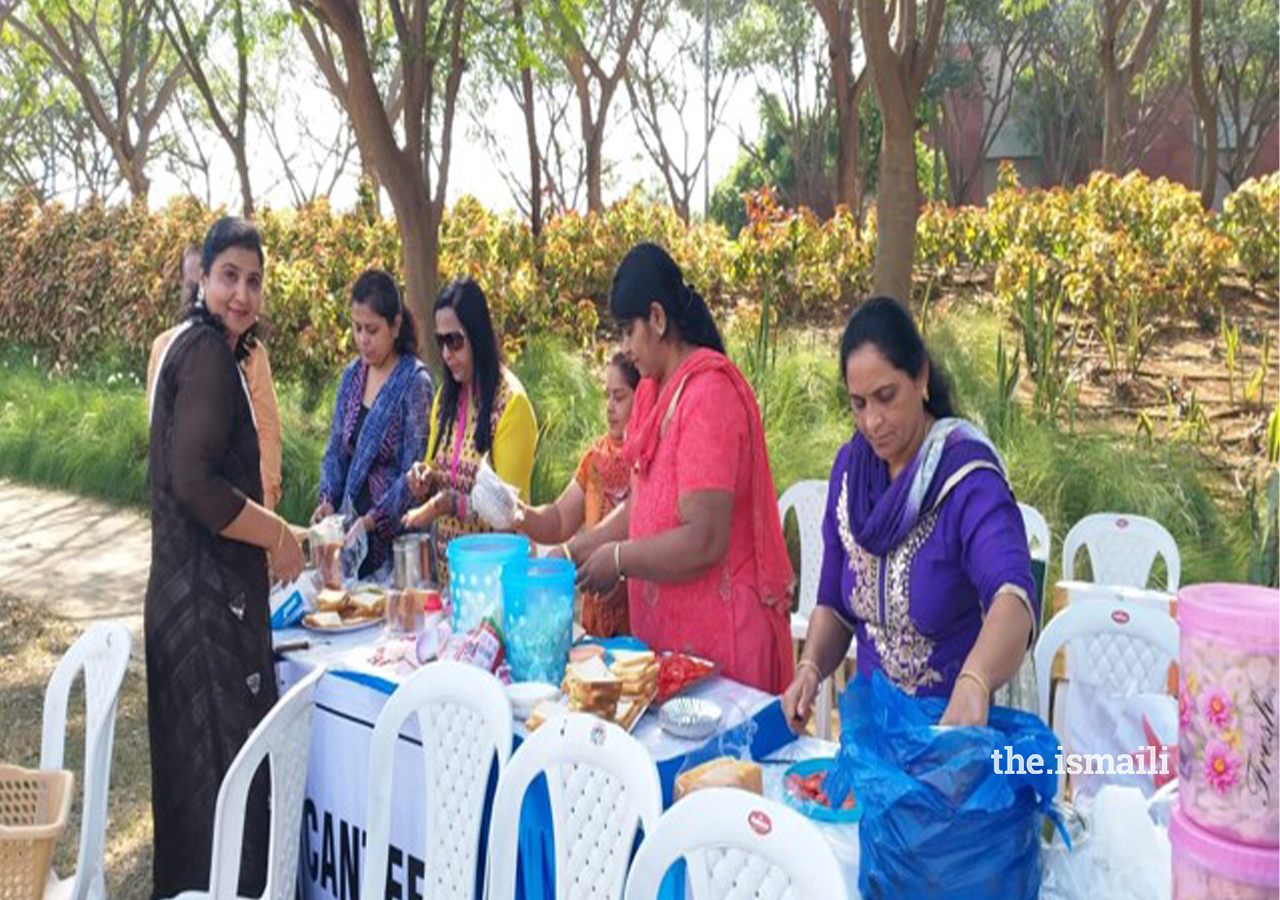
[380, 419]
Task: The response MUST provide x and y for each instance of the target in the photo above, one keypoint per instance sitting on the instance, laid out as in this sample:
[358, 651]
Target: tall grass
[1069, 475]
[568, 399]
[87, 433]
[73, 434]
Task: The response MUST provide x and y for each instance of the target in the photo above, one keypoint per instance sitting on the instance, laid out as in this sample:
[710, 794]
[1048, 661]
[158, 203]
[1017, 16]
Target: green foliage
[1251, 221]
[1048, 347]
[101, 281]
[85, 430]
[1230, 344]
[1264, 548]
[568, 397]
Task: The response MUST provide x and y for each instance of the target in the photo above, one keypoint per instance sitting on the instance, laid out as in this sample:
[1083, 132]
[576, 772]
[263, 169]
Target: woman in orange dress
[698, 542]
[600, 485]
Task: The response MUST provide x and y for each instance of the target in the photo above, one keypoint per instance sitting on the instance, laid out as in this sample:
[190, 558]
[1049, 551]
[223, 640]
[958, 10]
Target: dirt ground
[1187, 368]
[31, 643]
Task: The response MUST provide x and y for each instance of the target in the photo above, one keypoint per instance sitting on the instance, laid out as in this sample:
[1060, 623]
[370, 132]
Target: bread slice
[723, 771]
[326, 619]
[330, 600]
[368, 605]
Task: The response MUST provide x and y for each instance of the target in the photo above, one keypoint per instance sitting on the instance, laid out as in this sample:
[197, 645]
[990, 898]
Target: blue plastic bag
[938, 821]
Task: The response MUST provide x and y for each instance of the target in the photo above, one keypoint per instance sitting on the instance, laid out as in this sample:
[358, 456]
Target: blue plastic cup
[475, 576]
[538, 617]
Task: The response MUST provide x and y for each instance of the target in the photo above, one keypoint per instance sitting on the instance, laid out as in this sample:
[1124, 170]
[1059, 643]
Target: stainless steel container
[407, 561]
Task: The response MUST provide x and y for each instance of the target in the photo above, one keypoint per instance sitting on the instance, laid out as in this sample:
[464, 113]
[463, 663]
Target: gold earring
[926, 395]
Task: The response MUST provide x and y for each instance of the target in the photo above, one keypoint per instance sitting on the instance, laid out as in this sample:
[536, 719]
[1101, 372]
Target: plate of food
[620, 694]
[802, 789]
[338, 612]
[332, 623]
[677, 672]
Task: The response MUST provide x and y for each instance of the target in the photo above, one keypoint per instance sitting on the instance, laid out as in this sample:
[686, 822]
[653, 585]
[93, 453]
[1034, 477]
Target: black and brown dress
[210, 676]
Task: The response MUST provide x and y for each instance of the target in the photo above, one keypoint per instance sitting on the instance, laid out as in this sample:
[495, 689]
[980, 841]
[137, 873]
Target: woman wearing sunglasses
[481, 409]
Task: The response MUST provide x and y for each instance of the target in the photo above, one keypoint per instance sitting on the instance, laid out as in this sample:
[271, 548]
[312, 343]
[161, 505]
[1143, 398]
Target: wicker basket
[33, 812]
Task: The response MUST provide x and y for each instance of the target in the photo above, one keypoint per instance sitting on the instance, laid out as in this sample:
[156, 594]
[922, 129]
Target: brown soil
[31, 643]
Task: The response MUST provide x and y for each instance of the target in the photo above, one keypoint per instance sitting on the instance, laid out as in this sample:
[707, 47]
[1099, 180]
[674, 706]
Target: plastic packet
[481, 646]
[940, 818]
[290, 602]
[493, 499]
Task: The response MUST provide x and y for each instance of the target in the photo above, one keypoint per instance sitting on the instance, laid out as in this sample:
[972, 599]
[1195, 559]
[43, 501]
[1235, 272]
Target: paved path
[86, 560]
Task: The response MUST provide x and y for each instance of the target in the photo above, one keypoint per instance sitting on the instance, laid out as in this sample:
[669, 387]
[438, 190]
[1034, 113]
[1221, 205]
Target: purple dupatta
[882, 511]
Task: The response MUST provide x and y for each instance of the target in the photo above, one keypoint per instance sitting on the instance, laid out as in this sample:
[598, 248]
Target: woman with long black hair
[480, 410]
[925, 561]
[698, 540]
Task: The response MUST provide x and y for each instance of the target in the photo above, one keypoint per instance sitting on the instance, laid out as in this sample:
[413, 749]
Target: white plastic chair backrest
[1122, 549]
[1142, 643]
[1038, 538]
[283, 737]
[809, 500]
[102, 654]
[737, 844]
[603, 786]
[465, 723]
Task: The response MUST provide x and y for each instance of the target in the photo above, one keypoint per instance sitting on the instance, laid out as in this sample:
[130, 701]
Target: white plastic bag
[1124, 855]
[1098, 721]
[493, 499]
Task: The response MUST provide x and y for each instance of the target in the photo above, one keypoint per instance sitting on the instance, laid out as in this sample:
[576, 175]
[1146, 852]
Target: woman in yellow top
[481, 409]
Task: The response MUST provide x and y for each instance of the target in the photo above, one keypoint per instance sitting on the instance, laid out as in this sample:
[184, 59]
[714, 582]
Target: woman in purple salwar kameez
[925, 556]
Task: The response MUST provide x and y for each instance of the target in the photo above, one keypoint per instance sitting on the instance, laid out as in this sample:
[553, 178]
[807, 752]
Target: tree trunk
[247, 208]
[847, 89]
[1206, 170]
[1113, 102]
[595, 167]
[527, 106]
[847, 182]
[897, 205]
[139, 183]
[420, 256]
[535, 152]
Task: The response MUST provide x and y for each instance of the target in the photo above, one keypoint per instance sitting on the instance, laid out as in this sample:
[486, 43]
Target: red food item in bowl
[677, 671]
[810, 788]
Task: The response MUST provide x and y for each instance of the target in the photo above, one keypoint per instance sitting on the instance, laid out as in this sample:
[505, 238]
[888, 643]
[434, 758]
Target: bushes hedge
[101, 281]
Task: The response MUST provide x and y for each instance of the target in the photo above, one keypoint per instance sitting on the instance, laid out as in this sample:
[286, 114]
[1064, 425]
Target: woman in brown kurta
[210, 677]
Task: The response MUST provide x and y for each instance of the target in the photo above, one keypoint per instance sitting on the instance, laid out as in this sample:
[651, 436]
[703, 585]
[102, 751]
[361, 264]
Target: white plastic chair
[464, 721]
[1122, 549]
[603, 786]
[809, 500]
[102, 653]
[1131, 650]
[283, 738]
[1020, 691]
[1039, 540]
[736, 845]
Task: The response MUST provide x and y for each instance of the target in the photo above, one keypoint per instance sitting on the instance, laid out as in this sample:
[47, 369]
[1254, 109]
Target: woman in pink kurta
[699, 539]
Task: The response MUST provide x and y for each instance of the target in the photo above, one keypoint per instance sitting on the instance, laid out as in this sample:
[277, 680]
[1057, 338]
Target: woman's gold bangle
[280, 540]
[617, 560]
[974, 676]
[810, 664]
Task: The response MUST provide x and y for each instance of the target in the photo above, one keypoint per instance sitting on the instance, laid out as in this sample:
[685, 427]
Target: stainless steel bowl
[690, 718]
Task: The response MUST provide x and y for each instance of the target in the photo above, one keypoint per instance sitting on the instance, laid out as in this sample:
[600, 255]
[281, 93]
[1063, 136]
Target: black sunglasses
[452, 340]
